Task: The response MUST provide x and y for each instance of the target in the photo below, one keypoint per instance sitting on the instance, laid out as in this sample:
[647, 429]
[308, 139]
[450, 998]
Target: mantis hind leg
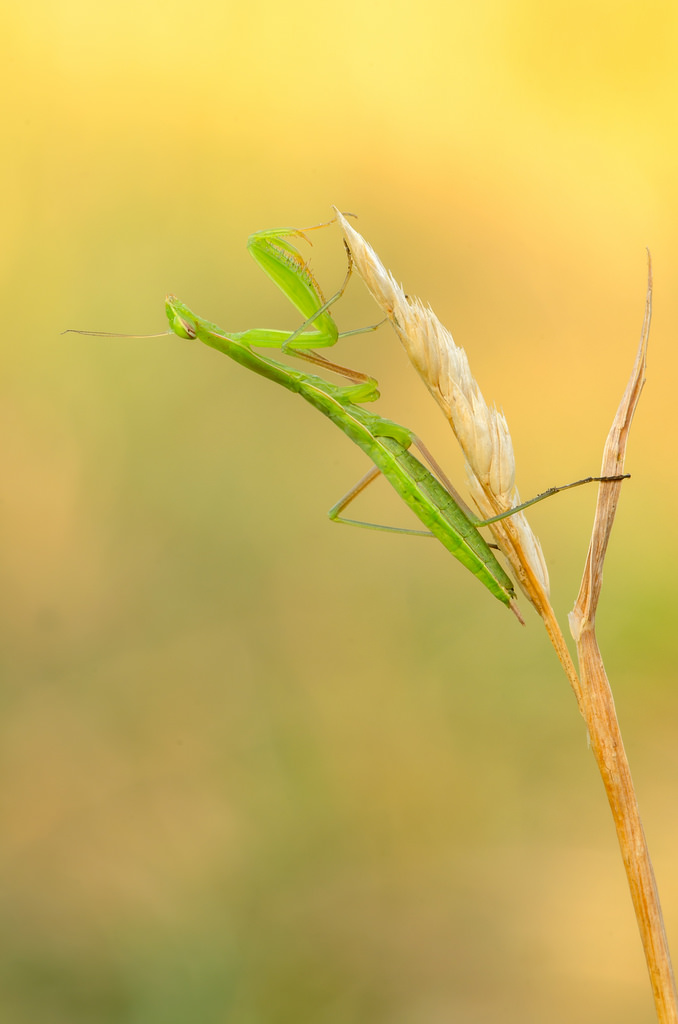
[550, 492]
[336, 510]
[371, 476]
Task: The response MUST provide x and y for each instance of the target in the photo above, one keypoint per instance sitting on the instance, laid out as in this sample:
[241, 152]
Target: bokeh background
[257, 768]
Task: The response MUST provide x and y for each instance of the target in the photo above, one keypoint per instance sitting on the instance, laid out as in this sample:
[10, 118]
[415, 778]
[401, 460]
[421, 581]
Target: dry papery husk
[481, 429]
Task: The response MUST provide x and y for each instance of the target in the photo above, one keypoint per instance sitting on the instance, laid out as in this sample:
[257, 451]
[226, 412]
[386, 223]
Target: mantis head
[180, 320]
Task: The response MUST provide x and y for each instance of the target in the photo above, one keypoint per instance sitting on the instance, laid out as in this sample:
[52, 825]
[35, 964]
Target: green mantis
[388, 444]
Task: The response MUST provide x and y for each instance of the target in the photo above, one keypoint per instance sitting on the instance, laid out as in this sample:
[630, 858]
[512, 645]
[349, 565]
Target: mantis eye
[183, 328]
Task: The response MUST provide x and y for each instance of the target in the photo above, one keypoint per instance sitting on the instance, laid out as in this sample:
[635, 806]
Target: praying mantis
[426, 491]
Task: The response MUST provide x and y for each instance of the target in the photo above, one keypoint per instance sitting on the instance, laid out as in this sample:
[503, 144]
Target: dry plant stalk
[598, 704]
[484, 437]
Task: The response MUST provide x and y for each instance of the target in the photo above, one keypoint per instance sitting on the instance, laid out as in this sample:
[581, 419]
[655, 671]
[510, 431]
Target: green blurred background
[256, 768]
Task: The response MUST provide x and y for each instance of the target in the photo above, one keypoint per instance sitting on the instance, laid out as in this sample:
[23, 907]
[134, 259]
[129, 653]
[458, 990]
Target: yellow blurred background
[257, 768]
